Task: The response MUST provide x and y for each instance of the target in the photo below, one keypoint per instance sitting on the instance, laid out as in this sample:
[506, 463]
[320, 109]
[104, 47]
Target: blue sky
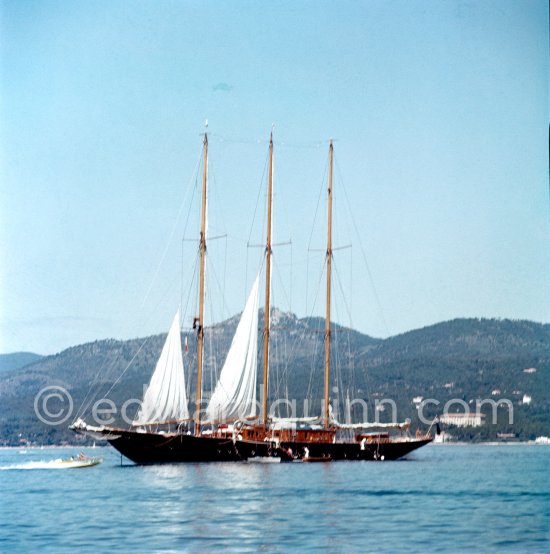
[439, 112]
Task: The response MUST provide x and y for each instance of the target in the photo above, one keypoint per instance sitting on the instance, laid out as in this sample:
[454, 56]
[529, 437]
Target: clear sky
[439, 112]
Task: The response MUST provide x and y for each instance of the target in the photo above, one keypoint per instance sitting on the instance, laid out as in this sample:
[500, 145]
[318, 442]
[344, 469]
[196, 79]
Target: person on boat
[306, 452]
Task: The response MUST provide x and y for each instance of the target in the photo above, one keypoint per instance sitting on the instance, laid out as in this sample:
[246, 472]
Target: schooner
[231, 430]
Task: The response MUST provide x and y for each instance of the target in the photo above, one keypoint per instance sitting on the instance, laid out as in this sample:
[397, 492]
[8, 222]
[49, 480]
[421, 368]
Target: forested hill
[465, 359]
[17, 360]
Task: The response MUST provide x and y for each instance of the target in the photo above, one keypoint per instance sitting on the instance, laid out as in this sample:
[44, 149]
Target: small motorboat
[76, 462]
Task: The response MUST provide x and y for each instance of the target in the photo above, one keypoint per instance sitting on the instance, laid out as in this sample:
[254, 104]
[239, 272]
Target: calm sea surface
[443, 498]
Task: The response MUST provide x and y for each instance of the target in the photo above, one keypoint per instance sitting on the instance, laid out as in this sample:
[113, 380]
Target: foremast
[268, 252]
[326, 414]
[200, 322]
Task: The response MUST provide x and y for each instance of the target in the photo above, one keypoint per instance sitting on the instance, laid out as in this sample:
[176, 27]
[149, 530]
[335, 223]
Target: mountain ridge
[16, 360]
[463, 358]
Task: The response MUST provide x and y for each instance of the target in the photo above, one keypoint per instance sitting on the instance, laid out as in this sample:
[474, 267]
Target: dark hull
[156, 448]
[392, 450]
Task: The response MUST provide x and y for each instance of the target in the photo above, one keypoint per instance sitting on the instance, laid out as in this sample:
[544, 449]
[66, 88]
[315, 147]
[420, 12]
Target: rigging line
[281, 283]
[290, 277]
[321, 189]
[224, 268]
[222, 139]
[140, 348]
[194, 189]
[190, 282]
[306, 145]
[338, 362]
[260, 188]
[311, 270]
[348, 309]
[352, 380]
[367, 384]
[282, 288]
[300, 337]
[120, 376]
[351, 371]
[133, 358]
[174, 226]
[193, 280]
[354, 223]
[312, 363]
[99, 373]
[280, 344]
[214, 201]
[95, 386]
[207, 360]
[318, 325]
[245, 272]
[214, 345]
[189, 296]
[313, 144]
[307, 281]
[234, 237]
[212, 274]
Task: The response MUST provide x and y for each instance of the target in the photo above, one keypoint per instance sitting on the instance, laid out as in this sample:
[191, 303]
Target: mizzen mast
[326, 415]
[267, 282]
[200, 330]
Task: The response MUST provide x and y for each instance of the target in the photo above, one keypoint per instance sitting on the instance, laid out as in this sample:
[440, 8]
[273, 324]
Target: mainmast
[267, 280]
[202, 249]
[327, 316]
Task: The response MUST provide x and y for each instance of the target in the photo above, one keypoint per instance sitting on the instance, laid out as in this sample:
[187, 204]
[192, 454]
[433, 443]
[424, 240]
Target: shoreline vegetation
[456, 362]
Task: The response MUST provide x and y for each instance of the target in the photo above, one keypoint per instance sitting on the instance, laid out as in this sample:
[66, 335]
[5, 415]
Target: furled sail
[235, 393]
[373, 425]
[165, 398]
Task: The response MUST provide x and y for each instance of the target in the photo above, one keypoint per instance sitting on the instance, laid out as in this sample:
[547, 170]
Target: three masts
[234, 430]
[268, 254]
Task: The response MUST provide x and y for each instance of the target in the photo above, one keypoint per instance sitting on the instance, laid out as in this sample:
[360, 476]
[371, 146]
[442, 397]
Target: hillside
[17, 360]
[465, 359]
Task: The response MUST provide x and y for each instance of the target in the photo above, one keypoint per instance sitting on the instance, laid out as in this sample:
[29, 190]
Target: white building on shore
[463, 420]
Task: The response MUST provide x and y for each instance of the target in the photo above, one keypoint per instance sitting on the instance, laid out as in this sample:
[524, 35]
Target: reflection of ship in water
[230, 429]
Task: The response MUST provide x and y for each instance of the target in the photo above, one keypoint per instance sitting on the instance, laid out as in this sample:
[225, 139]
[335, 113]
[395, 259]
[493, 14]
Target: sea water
[442, 498]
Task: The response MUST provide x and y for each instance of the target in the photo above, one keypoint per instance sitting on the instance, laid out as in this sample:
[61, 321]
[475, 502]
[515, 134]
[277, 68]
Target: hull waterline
[339, 451]
[159, 448]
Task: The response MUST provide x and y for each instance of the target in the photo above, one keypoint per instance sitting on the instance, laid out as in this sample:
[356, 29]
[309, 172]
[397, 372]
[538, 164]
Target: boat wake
[53, 464]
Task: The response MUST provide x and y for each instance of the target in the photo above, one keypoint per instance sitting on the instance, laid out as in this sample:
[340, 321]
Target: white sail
[235, 393]
[373, 425]
[165, 398]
